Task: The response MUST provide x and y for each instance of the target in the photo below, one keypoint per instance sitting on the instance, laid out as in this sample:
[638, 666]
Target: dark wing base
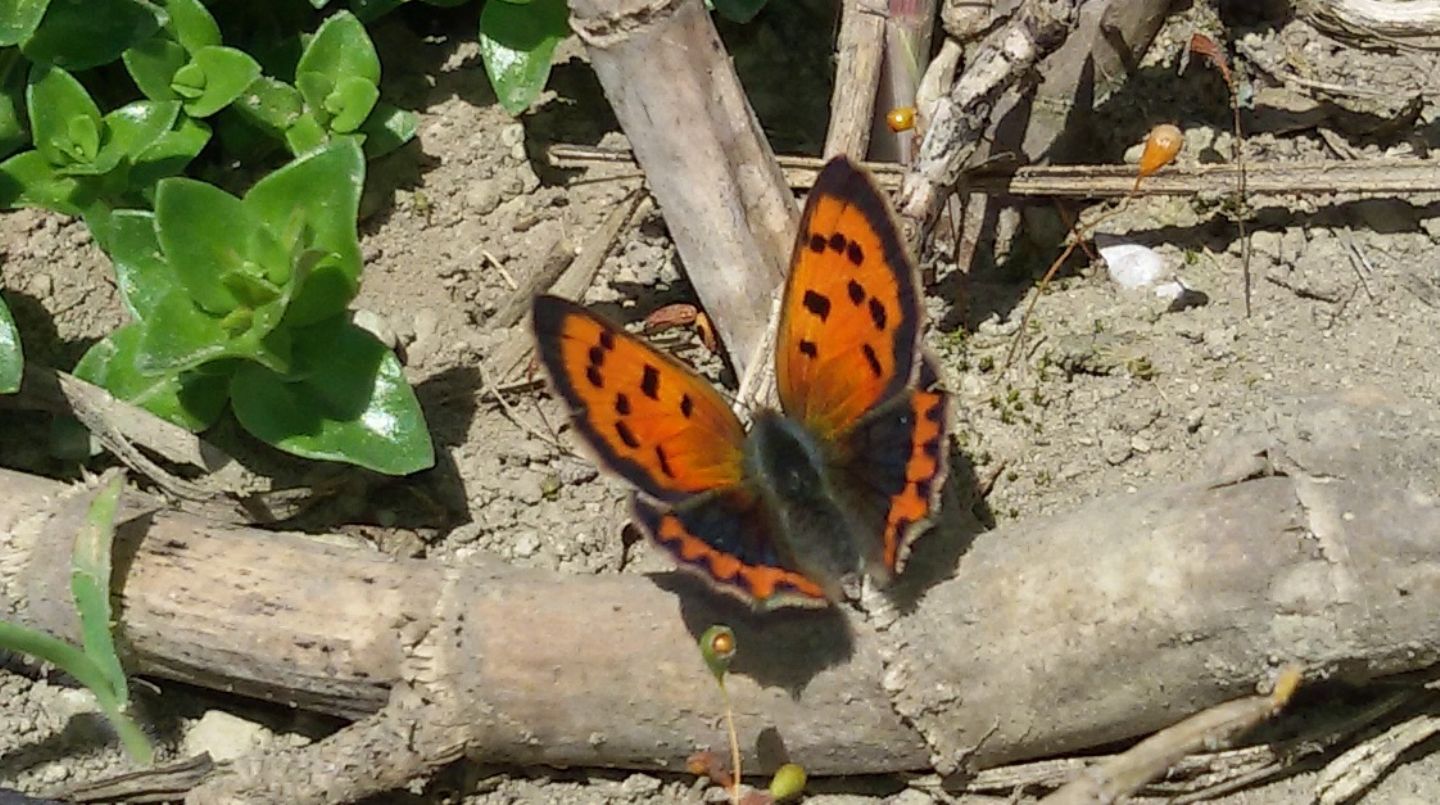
[725, 538]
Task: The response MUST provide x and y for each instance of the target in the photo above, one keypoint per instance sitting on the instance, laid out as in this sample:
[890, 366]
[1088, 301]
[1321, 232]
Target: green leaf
[13, 128]
[306, 136]
[180, 336]
[273, 105]
[80, 34]
[516, 44]
[141, 272]
[351, 103]
[28, 180]
[313, 204]
[90, 585]
[341, 48]
[227, 72]
[346, 401]
[152, 65]
[205, 232]
[190, 399]
[191, 25]
[129, 131]
[12, 358]
[18, 19]
[387, 128]
[60, 112]
[738, 10]
[168, 154]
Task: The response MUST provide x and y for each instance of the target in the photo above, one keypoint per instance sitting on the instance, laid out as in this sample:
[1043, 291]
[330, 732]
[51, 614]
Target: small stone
[526, 546]
[225, 737]
[1115, 448]
[528, 487]
[512, 135]
[1194, 418]
[483, 197]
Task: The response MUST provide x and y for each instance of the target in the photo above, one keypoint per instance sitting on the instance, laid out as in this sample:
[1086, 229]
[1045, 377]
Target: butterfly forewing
[850, 317]
[648, 417]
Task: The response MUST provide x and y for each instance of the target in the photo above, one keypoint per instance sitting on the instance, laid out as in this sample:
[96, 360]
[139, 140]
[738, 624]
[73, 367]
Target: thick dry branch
[1313, 539]
[707, 162]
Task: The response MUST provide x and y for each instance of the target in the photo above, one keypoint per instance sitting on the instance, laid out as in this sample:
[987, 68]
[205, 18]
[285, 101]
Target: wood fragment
[859, 55]
[1361, 766]
[1124, 774]
[506, 362]
[676, 95]
[562, 253]
[1380, 177]
[1376, 23]
[123, 428]
[163, 783]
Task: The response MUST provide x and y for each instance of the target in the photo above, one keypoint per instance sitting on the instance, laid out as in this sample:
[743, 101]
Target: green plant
[86, 163]
[245, 300]
[238, 301]
[517, 40]
[12, 360]
[96, 664]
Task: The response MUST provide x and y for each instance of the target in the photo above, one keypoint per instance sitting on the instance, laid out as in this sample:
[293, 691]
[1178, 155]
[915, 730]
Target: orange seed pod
[1161, 146]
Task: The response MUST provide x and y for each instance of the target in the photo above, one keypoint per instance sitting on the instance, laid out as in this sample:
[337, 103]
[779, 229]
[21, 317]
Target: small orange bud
[1161, 146]
[901, 118]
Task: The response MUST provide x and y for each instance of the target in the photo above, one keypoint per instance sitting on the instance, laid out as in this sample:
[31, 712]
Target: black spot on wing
[626, 435]
[687, 406]
[607, 339]
[817, 304]
[622, 404]
[597, 356]
[807, 348]
[932, 448]
[817, 242]
[855, 254]
[877, 313]
[593, 375]
[664, 461]
[650, 382]
[873, 360]
[837, 242]
[856, 292]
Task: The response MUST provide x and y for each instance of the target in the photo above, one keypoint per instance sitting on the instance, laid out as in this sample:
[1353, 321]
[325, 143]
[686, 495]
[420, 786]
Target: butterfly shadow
[963, 516]
[784, 647]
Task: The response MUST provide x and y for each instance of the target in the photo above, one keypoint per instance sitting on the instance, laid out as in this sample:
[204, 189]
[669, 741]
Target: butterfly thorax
[789, 467]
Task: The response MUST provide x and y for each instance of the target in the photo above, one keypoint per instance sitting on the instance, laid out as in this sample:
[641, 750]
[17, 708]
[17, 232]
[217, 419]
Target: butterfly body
[835, 482]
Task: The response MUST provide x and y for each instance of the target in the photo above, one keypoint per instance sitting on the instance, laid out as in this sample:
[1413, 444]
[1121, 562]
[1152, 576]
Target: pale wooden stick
[706, 160]
[857, 76]
[1121, 776]
[1380, 177]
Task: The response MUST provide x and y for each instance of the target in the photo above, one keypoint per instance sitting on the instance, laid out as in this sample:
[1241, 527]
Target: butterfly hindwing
[649, 418]
[851, 314]
[728, 538]
[893, 465]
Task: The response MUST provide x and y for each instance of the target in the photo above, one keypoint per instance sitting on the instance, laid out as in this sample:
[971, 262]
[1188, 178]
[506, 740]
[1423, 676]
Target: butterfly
[836, 482]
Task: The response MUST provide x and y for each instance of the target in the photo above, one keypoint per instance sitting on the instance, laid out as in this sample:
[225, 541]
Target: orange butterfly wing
[648, 417]
[851, 315]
